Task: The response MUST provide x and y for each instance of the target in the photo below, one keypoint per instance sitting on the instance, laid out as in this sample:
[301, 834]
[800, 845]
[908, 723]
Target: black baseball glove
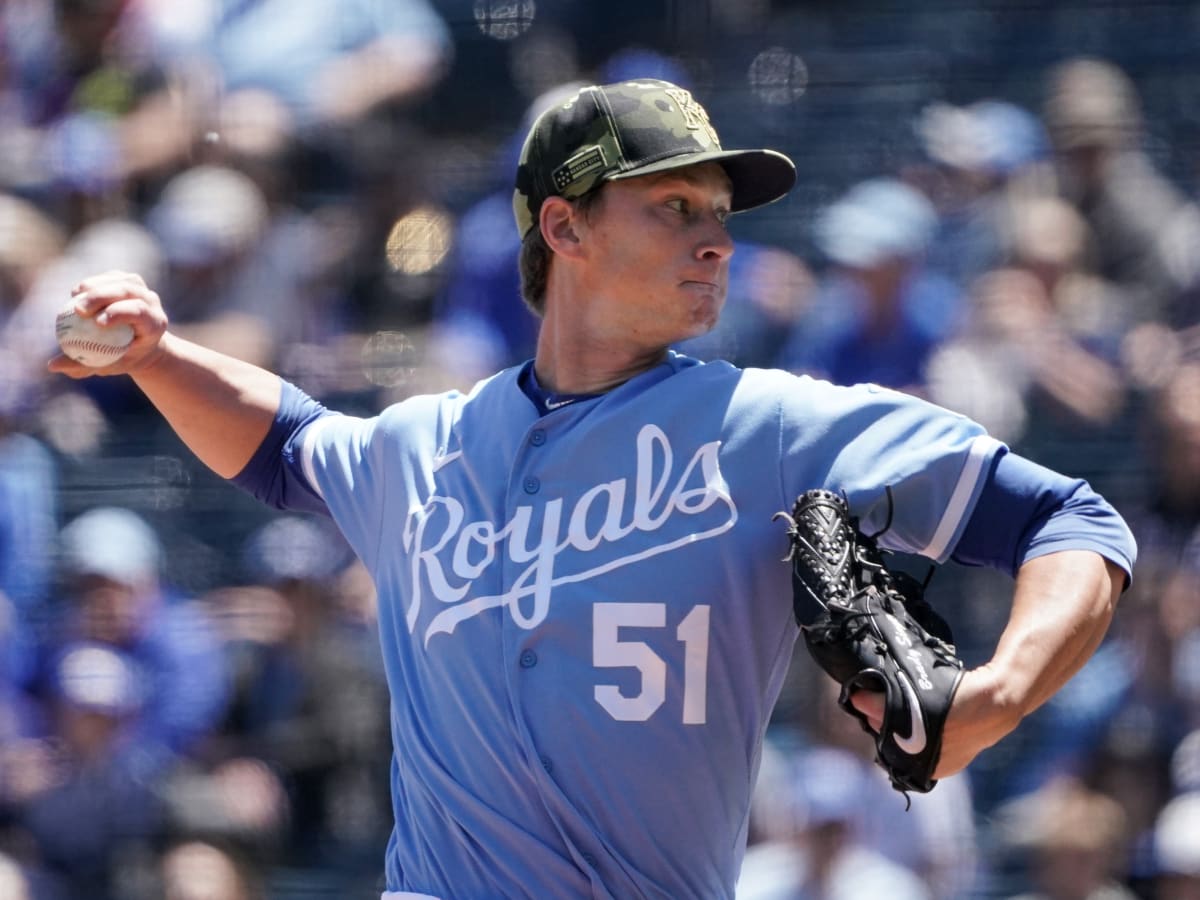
[872, 629]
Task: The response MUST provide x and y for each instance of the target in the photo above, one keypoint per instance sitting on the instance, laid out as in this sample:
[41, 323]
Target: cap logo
[586, 161]
[694, 115]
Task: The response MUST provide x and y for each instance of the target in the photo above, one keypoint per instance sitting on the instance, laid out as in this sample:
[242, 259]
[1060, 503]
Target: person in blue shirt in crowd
[28, 514]
[977, 161]
[89, 809]
[128, 683]
[879, 313]
[113, 567]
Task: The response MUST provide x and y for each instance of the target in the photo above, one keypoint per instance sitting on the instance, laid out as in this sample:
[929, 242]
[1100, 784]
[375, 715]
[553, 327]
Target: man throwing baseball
[585, 618]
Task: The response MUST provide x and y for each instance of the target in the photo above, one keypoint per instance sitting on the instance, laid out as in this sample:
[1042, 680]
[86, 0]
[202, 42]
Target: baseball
[86, 342]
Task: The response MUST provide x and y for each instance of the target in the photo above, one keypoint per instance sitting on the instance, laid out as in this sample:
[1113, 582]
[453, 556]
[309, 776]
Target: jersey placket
[521, 646]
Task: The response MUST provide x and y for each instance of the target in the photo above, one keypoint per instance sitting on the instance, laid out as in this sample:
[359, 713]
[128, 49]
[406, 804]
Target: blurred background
[996, 209]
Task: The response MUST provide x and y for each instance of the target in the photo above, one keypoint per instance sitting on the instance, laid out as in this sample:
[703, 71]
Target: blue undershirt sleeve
[1026, 510]
[273, 473]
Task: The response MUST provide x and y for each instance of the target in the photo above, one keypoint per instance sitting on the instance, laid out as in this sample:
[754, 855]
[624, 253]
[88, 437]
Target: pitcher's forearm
[1061, 610]
[220, 407]
[1062, 607]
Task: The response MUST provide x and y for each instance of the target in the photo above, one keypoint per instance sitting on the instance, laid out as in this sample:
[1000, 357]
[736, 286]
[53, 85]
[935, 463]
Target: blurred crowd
[191, 703]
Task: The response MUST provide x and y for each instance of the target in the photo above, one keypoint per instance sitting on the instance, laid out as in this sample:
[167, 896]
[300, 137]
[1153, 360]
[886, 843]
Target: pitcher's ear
[559, 223]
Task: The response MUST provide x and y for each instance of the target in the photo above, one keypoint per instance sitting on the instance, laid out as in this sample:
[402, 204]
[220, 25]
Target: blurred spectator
[1072, 838]
[30, 243]
[28, 529]
[22, 721]
[112, 563]
[1177, 849]
[103, 101]
[1143, 756]
[932, 835]
[238, 800]
[87, 108]
[1129, 766]
[978, 160]
[880, 312]
[198, 870]
[84, 808]
[247, 270]
[326, 63]
[1169, 515]
[332, 80]
[13, 883]
[237, 269]
[1142, 232]
[816, 849]
[105, 90]
[1185, 763]
[1163, 618]
[1049, 330]
[1159, 619]
[309, 693]
[30, 240]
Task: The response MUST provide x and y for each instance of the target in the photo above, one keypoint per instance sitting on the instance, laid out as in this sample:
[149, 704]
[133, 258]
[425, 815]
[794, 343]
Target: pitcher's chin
[705, 311]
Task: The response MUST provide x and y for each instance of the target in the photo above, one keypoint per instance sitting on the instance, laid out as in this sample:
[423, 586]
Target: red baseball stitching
[93, 346]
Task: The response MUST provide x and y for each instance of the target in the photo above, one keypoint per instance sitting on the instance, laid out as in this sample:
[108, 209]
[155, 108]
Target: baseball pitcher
[584, 614]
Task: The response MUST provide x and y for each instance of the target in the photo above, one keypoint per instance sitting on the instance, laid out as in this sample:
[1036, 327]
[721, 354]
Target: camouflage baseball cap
[608, 132]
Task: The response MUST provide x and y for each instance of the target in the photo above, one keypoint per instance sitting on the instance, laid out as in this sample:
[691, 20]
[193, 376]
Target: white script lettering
[447, 554]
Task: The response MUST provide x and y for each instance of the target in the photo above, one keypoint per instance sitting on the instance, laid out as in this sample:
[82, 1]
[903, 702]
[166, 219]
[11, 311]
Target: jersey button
[537, 438]
[528, 659]
[532, 485]
[546, 764]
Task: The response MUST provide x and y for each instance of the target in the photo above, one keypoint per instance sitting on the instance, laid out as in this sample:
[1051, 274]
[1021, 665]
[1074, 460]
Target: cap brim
[758, 177]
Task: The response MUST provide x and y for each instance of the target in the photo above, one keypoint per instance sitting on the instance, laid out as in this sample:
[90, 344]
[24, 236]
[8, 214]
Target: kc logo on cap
[694, 115]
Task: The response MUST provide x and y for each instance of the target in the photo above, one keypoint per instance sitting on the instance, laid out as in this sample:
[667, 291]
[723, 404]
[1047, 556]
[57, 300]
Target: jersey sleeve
[272, 475]
[911, 471]
[350, 468]
[1026, 510]
[318, 461]
[341, 459]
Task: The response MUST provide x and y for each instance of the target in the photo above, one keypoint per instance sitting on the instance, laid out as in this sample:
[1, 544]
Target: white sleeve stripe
[982, 449]
[308, 450]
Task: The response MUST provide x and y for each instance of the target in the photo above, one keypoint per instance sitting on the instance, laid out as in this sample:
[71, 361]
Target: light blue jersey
[585, 615]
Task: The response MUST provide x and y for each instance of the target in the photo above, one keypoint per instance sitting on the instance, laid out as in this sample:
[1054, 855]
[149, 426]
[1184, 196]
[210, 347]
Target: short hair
[1092, 102]
[534, 261]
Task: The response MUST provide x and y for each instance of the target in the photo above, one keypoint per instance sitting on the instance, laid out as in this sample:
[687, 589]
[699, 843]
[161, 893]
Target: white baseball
[86, 342]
